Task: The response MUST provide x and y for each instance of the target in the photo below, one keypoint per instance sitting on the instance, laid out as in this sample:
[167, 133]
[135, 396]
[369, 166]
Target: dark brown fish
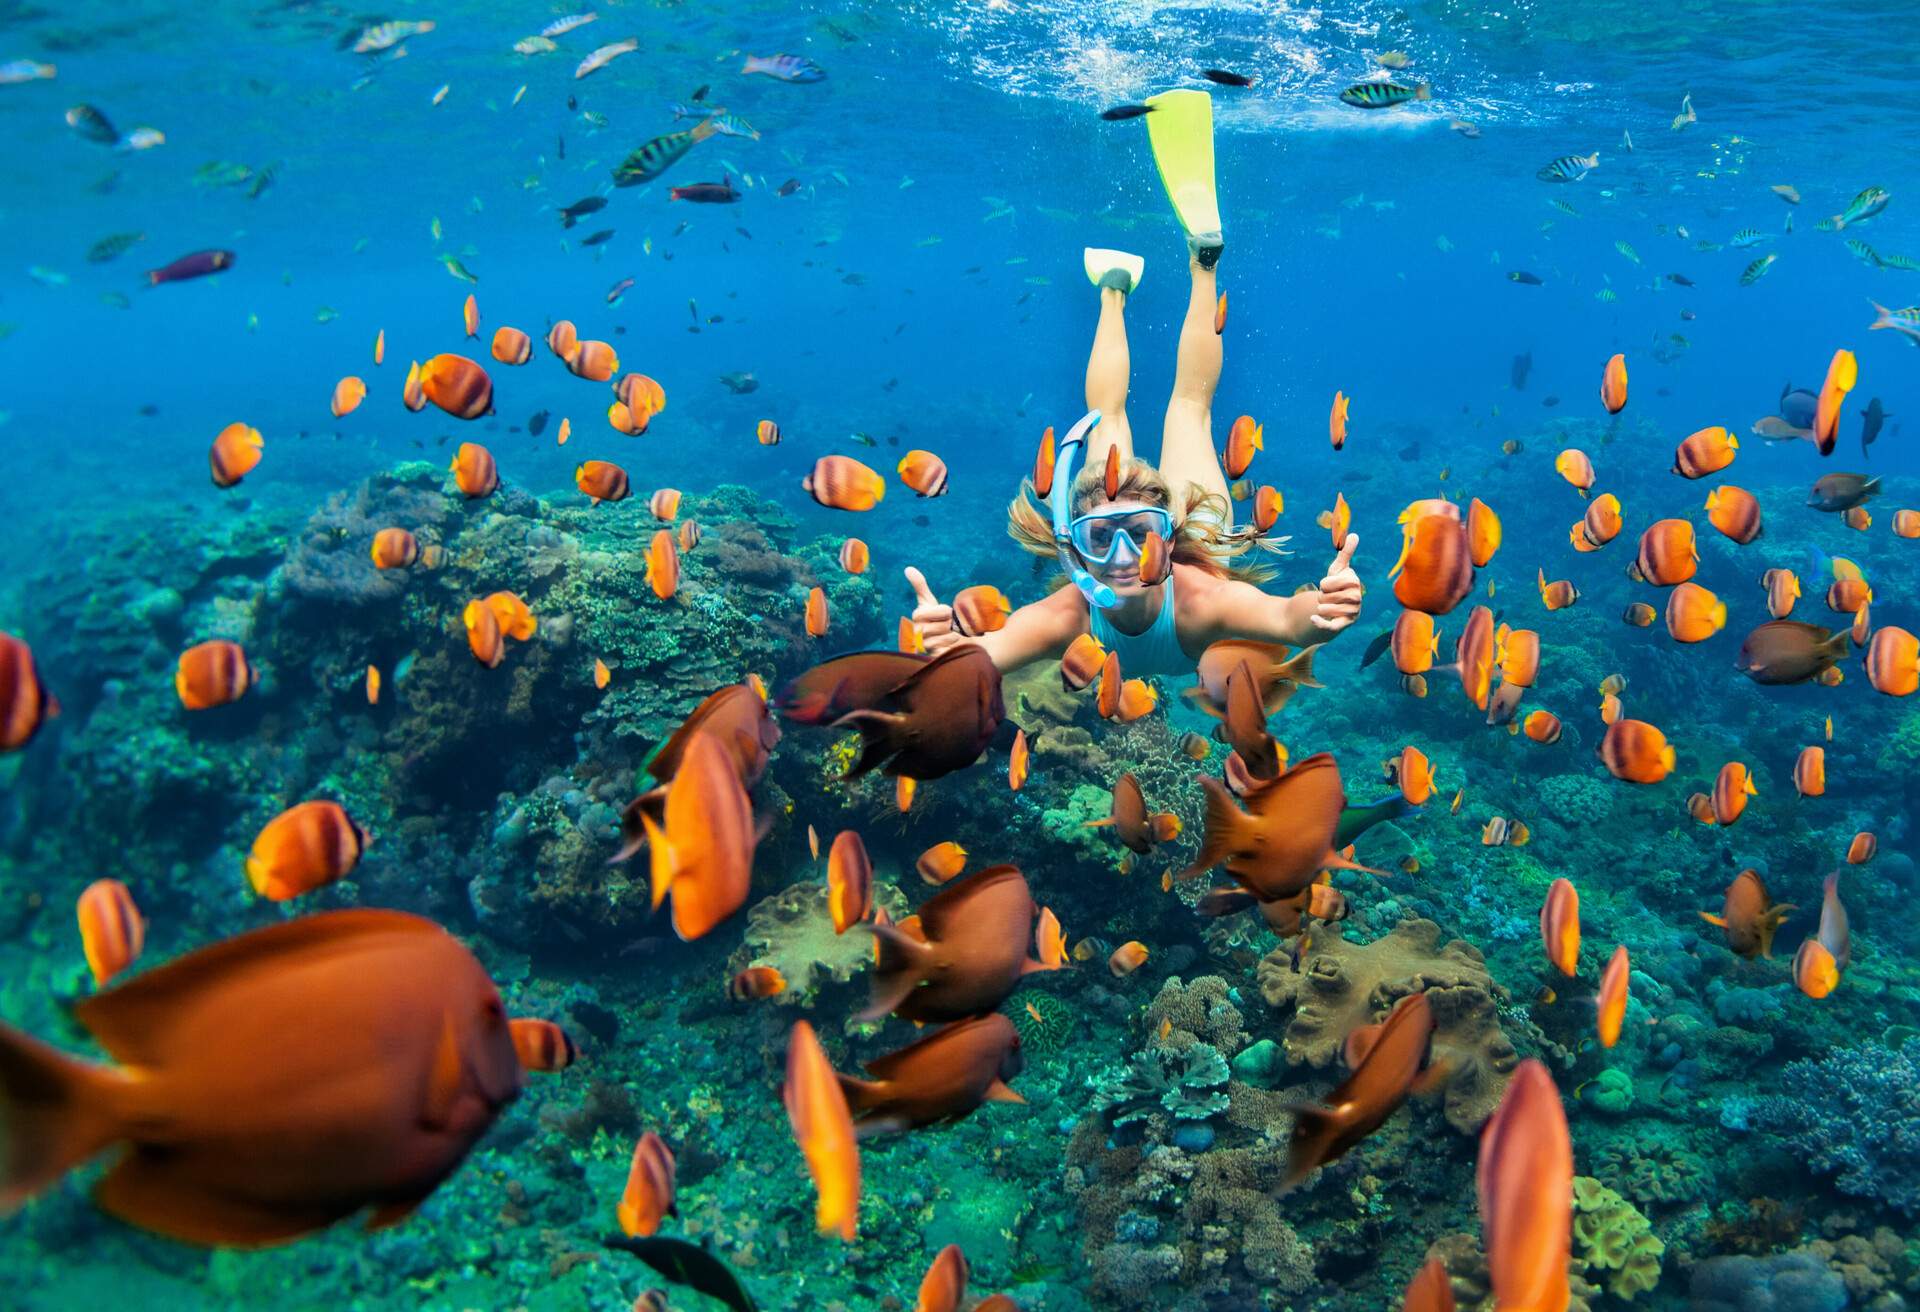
[1837, 492]
[1393, 1063]
[1790, 651]
[1245, 727]
[738, 716]
[197, 265]
[943, 1077]
[917, 716]
[1749, 915]
[272, 1084]
[1121, 113]
[970, 951]
[1275, 850]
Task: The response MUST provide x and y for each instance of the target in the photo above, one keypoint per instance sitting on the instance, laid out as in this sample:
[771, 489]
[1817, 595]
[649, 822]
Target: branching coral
[1856, 1113]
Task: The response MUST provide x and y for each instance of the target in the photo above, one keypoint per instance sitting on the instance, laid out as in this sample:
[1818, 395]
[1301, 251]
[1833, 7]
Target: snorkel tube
[1066, 467]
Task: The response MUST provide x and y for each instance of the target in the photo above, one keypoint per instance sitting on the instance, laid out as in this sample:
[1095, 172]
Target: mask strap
[1066, 469]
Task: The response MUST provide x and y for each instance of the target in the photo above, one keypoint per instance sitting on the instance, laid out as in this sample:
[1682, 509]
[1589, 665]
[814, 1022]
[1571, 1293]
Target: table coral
[792, 931]
[1340, 986]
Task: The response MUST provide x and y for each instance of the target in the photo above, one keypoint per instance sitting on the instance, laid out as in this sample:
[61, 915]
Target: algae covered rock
[792, 931]
[1340, 986]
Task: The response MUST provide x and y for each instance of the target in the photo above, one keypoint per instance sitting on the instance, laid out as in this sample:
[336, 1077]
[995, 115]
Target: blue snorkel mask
[1098, 536]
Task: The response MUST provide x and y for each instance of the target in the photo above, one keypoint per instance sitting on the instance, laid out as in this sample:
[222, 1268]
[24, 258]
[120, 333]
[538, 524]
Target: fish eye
[493, 1012]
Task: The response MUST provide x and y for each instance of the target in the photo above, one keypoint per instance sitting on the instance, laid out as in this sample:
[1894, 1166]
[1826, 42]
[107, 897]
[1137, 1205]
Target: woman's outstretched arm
[1036, 632]
[1231, 609]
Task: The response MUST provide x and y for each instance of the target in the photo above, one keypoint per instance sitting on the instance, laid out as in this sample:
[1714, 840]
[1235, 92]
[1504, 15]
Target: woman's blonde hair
[1200, 535]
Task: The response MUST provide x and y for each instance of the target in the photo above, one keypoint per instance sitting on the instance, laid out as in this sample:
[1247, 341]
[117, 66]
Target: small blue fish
[787, 68]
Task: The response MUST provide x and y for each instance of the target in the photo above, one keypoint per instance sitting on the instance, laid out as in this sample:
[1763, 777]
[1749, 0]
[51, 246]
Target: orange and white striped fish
[112, 930]
[303, 848]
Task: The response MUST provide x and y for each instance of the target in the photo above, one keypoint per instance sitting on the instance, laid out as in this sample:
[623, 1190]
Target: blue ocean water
[921, 287]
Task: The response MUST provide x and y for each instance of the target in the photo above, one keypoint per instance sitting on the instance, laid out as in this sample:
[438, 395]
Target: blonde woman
[1157, 628]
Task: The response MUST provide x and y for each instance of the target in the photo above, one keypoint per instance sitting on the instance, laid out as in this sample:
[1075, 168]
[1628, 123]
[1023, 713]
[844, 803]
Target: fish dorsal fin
[443, 1080]
[134, 1021]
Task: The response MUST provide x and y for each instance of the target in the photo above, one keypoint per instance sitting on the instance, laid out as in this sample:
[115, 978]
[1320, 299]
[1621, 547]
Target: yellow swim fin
[1180, 129]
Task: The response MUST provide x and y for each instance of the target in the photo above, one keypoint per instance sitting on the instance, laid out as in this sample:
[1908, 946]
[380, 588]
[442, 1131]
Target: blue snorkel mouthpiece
[1066, 468]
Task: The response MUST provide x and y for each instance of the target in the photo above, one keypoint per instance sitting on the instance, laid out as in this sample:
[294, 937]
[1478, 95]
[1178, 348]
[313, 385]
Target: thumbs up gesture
[933, 619]
[1340, 591]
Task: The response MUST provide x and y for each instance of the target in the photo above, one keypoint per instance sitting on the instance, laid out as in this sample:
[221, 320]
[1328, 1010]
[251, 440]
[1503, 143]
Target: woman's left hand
[1340, 591]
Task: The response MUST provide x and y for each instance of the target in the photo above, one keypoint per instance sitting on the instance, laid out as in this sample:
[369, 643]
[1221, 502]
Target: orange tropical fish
[1337, 421]
[823, 1127]
[688, 536]
[1137, 699]
[561, 338]
[663, 566]
[1602, 522]
[1156, 559]
[701, 849]
[854, 556]
[945, 1283]
[394, 548]
[1858, 518]
[665, 504]
[303, 848]
[1636, 751]
[1127, 958]
[1557, 595]
[849, 881]
[904, 788]
[348, 393]
[213, 674]
[1107, 698]
[1435, 570]
[1842, 373]
[1668, 553]
[511, 346]
[413, 394]
[1268, 505]
[1815, 972]
[941, 862]
[1613, 998]
[1525, 1185]
[1573, 465]
[767, 433]
[1415, 642]
[1473, 656]
[1893, 661]
[623, 420]
[1050, 941]
[981, 609]
[602, 676]
[1542, 726]
[1081, 663]
[1694, 614]
[1731, 789]
[1639, 614]
[1749, 915]
[1707, 451]
[816, 618]
[642, 396]
[1613, 385]
[373, 685]
[1219, 320]
[1017, 761]
[474, 472]
[514, 617]
[565, 431]
[235, 452]
[112, 930]
[1414, 773]
[1483, 532]
[1906, 523]
[1339, 521]
[1848, 596]
[1110, 476]
[1430, 1290]
[457, 385]
[1783, 589]
[843, 483]
[756, 982]
[924, 472]
[470, 315]
[541, 1045]
[909, 639]
[1735, 512]
[648, 1198]
[1243, 439]
[484, 637]
[1043, 465]
[595, 361]
[1560, 926]
[380, 347]
[1518, 653]
[1810, 772]
[1862, 849]
[601, 480]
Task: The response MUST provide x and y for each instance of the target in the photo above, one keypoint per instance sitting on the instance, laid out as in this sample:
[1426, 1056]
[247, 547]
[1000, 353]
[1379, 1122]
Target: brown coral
[1200, 1012]
[1339, 986]
[792, 931]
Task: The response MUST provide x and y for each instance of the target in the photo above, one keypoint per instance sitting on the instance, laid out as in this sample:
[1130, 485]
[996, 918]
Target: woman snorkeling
[1157, 627]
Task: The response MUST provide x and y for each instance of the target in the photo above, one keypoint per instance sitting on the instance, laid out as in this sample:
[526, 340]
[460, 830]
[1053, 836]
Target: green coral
[1044, 1021]
[1610, 1092]
[1655, 1167]
[1612, 1240]
[1188, 1086]
[1576, 800]
[1069, 824]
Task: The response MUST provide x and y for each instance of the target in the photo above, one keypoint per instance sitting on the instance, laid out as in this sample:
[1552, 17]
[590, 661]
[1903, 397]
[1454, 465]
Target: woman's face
[1119, 528]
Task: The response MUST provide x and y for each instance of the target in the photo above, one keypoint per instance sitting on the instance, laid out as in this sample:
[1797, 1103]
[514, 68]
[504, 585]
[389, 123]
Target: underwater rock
[329, 560]
[792, 931]
[1783, 1282]
[1261, 1064]
[1341, 986]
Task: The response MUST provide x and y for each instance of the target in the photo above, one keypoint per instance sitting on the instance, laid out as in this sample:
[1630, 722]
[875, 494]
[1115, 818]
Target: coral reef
[792, 931]
[1854, 1113]
[1785, 1282]
[1613, 1240]
[1340, 986]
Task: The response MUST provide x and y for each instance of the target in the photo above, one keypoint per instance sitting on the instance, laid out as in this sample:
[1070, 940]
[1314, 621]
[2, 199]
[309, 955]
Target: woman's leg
[1107, 370]
[1186, 444]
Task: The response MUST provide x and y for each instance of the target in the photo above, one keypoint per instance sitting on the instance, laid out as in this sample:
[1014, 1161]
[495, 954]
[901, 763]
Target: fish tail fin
[1225, 824]
[901, 966]
[1886, 316]
[1224, 902]
[1669, 759]
[1316, 1129]
[1712, 919]
[55, 1113]
[665, 863]
[860, 1094]
[1098, 824]
[704, 128]
[1300, 668]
